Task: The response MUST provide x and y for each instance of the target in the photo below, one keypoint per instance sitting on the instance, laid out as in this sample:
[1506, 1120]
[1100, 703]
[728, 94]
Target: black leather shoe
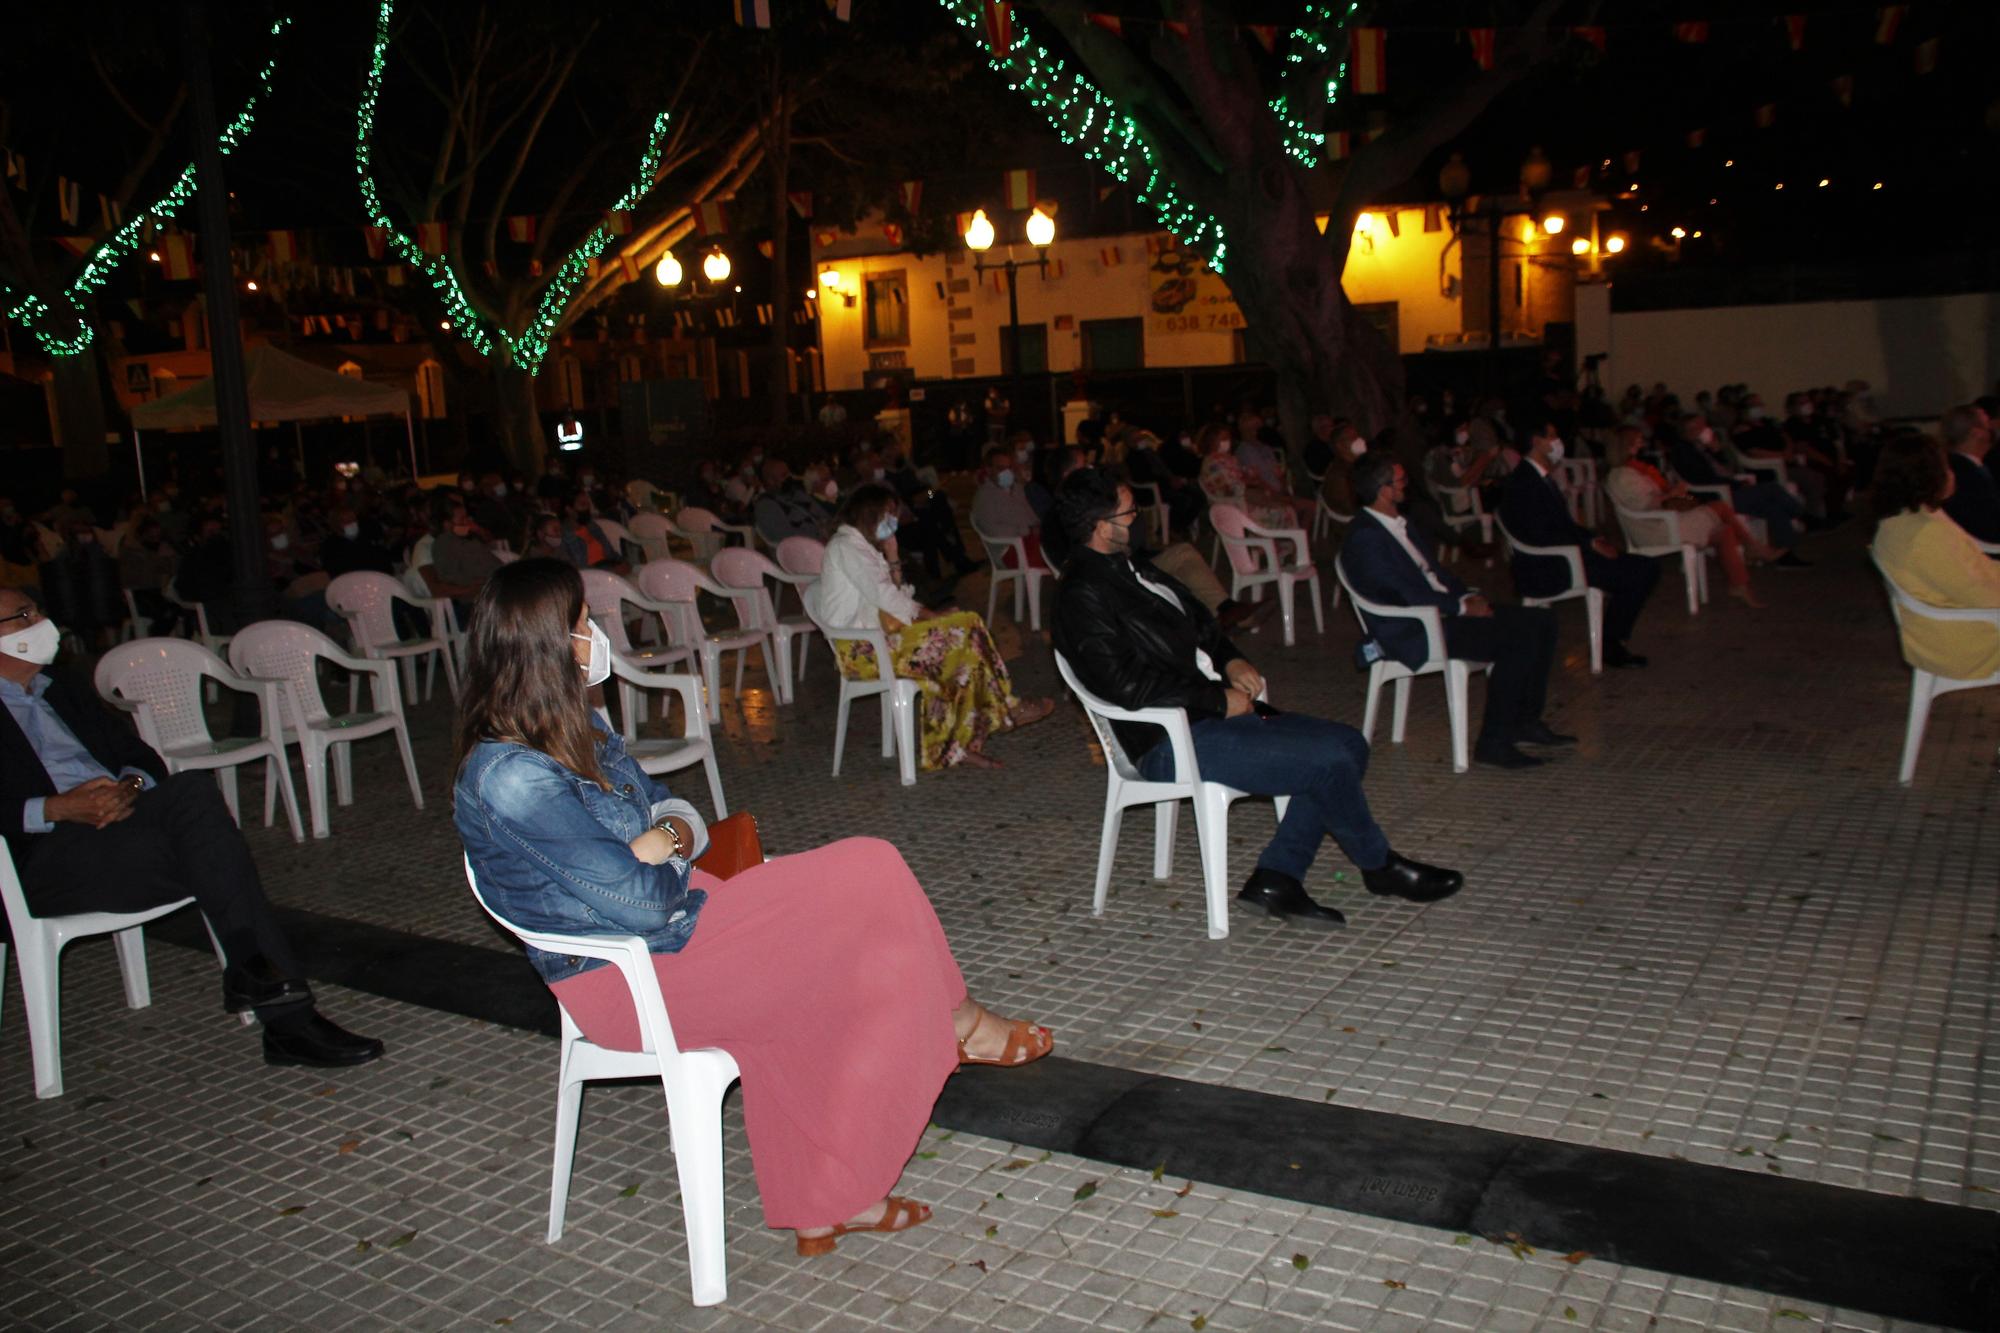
[257, 985]
[1541, 733]
[1401, 877]
[1281, 896]
[320, 1042]
[1502, 754]
[1618, 655]
[1244, 616]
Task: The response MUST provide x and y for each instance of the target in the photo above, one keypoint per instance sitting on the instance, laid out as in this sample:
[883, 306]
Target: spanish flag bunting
[1843, 88]
[377, 240]
[959, 222]
[999, 284]
[1694, 33]
[77, 245]
[1795, 31]
[591, 268]
[110, 213]
[1109, 256]
[1266, 35]
[521, 228]
[1433, 217]
[823, 238]
[802, 203]
[431, 237]
[394, 275]
[752, 13]
[709, 218]
[177, 255]
[1000, 28]
[1367, 65]
[1580, 178]
[630, 267]
[892, 233]
[618, 222]
[1482, 46]
[766, 248]
[1019, 190]
[1339, 143]
[284, 246]
[1111, 23]
[1887, 20]
[68, 201]
[1176, 27]
[1057, 268]
[534, 268]
[1925, 60]
[1322, 221]
[911, 193]
[17, 167]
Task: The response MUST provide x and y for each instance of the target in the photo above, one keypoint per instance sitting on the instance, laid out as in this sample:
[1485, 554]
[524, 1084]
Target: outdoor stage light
[569, 435]
[1041, 229]
[715, 266]
[979, 232]
[1553, 224]
[668, 271]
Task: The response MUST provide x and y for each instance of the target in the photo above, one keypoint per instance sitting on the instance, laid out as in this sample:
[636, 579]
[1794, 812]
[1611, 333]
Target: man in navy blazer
[1390, 561]
[1974, 502]
[1535, 513]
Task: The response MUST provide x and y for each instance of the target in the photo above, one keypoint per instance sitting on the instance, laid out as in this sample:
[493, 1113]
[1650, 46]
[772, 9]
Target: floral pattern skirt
[967, 694]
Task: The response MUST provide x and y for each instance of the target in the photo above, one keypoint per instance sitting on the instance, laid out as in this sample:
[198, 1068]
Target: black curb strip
[1899, 1257]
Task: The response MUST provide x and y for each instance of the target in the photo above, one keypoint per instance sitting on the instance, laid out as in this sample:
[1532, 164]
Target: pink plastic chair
[366, 600]
[1256, 558]
[679, 583]
[739, 567]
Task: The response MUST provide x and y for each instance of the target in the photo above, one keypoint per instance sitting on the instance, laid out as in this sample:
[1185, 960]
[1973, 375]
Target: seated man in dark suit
[1393, 562]
[1138, 639]
[1534, 511]
[95, 824]
[1974, 500]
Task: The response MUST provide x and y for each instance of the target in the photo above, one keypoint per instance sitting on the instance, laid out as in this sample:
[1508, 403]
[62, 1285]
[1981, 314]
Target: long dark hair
[864, 509]
[521, 681]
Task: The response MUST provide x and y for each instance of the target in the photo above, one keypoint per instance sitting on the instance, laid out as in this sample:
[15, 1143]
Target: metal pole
[1014, 339]
[252, 597]
[139, 458]
[1493, 295]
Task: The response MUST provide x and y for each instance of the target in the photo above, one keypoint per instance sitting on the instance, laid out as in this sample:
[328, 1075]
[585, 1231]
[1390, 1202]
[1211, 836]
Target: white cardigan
[855, 582]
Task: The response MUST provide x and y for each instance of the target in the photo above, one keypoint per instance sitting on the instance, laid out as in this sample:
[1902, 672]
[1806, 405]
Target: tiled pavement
[1718, 931]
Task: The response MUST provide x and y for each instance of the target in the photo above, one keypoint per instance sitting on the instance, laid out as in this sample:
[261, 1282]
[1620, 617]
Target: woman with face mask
[828, 960]
[1227, 482]
[968, 694]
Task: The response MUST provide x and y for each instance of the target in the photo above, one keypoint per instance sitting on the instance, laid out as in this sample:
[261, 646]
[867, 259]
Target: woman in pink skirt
[825, 975]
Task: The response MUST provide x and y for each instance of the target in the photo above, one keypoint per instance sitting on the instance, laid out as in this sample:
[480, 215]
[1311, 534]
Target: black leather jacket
[1130, 648]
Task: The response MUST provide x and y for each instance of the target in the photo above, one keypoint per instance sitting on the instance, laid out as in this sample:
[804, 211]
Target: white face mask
[350, 530]
[500, 492]
[876, 475]
[1707, 436]
[1555, 451]
[1023, 454]
[1005, 480]
[600, 655]
[886, 528]
[1224, 446]
[1359, 447]
[281, 541]
[1461, 436]
[37, 643]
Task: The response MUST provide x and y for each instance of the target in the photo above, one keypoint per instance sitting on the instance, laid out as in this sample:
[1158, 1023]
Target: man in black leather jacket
[1136, 638]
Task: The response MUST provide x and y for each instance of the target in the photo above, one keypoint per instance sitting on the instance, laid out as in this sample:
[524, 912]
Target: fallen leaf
[1196, 1026]
[1159, 1170]
[979, 1264]
[1569, 1312]
[1745, 1152]
[406, 1136]
[1889, 1138]
[1782, 1137]
[1198, 1323]
[504, 1320]
[1165, 1212]
[205, 1180]
[1277, 1048]
[292, 1209]
[326, 1091]
[1085, 1190]
[1646, 1134]
[629, 1190]
[1350, 1029]
[1461, 1239]
[440, 1081]
[1300, 1262]
[1018, 1164]
[363, 1245]
[926, 1156]
[1184, 1190]
[402, 1240]
[992, 1231]
[348, 1145]
[1576, 1256]
[1394, 1285]
[1329, 1094]
[1791, 1314]
[29, 1144]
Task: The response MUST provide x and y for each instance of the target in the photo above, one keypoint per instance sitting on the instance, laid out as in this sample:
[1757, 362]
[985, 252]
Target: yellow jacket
[1930, 558]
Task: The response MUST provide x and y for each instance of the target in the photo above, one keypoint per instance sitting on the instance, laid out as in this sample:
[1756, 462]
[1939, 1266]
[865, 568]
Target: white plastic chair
[1771, 469]
[1146, 495]
[38, 946]
[1325, 519]
[1027, 580]
[694, 1082]
[291, 652]
[899, 696]
[1658, 532]
[738, 567]
[159, 682]
[1579, 587]
[1577, 479]
[652, 534]
[1463, 508]
[207, 638]
[680, 584]
[1457, 673]
[618, 535]
[802, 556]
[1255, 559]
[1127, 788]
[128, 628]
[706, 533]
[1926, 686]
[366, 600]
[661, 755]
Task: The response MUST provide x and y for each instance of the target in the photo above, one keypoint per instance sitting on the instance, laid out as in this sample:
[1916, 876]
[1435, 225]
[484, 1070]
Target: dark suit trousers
[178, 840]
[1626, 581]
[1520, 642]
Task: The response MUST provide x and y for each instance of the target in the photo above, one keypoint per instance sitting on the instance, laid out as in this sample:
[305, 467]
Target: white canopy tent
[281, 388]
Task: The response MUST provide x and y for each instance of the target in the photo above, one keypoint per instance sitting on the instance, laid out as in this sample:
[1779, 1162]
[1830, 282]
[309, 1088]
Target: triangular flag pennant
[1375, 132]
[1057, 268]
[1592, 34]
[802, 203]
[911, 193]
[106, 214]
[17, 167]
[1696, 138]
[396, 275]
[1694, 34]
[959, 222]
[488, 267]
[1266, 36]
[824, 238]
[619, 222]
[1000, 28]
[892, 233]
[1767, 115]
[177, 256]
[1106, 191]
[709, 218]
[1339, 143]
[752, 13]
[77, 245]
[1176, 27]
[1019, 189]
[591, 268]
[1925, 60]
[284, 247]
[1843, 88]
[1433, 217]
[1580, 179]
[1887, 20]
[841, 9]
[431, 237]
[1111, 23]
[377, 240]
[1367, 66]
[1109, 256]
[628, 264]
[1795, 31]
[1322, 221]
[1482, 46]
[1393, 216]
[766, 249]
[534, 268]
[67, 199]
[763, 312]
[521, 228]
[999, 284]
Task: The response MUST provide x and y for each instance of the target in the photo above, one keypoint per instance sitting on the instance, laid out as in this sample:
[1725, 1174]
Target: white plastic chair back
[898, 694]
[1579, 589]
[367, 599]
[1026, 578]
[651, 532]
[1657, 532]
[680, 583]
[801, 555]
[617, 534]
[1258, 555]
[658, 755]
[1457, 672]
[694, 1082]
[1925, 686]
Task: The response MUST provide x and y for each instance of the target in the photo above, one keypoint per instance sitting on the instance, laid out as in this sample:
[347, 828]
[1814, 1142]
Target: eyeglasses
[28, 612]
[1123, 513]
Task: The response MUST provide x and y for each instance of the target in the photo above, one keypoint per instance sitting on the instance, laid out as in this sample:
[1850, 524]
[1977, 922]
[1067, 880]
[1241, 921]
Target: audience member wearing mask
[968, 694]
[1000, 509]
[1638, 485]
[1345, 448]
[549, 540]
[1974, 503]
[1260, 453]
[929, 523]
[459, 563]
[348, 548]
[599, 550]
[80, 585]
[146, 565]
[786, 508]
[1145, 460]
[1225, 481]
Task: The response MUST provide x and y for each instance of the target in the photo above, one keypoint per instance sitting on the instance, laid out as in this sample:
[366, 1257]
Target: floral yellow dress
[1226, 482]
[967, 693]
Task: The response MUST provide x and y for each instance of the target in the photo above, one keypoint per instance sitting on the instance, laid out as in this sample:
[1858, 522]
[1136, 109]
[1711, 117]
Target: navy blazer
[110, 741]
[1975, 501]
[1534, 512]
[1381, 570]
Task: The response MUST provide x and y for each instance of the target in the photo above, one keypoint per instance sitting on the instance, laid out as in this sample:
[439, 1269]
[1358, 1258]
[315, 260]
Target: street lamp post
[1041, 231]
[1455, 180]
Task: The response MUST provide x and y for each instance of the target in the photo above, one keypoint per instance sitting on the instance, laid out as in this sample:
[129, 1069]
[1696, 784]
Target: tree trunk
[778, 156]
[80, 417]
[516, 417]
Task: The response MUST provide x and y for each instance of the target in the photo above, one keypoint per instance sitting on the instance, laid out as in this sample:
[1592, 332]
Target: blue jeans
[1778, 507]
[1319, 764]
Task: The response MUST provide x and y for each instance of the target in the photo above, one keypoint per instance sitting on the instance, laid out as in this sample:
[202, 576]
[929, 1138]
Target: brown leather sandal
[900, 1215]
[1026, 1043]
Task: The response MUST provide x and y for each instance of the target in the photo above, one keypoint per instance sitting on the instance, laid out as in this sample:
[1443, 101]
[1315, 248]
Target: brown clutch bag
[733, 846]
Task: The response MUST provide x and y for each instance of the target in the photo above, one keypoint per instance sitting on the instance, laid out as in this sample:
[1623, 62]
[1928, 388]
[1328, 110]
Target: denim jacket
[551, 849]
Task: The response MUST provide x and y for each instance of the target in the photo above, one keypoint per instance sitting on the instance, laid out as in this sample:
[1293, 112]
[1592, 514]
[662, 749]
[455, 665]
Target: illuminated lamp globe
[829, 278]
[1579, 246]
[1614, 246]
[1364, 224]
[715, 265]
[1553, 224]
[1041, 229]
[979, 233]
[668, 271]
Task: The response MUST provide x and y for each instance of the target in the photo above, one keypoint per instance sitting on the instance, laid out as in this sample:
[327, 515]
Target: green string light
[1314, 42]
[36, 314]
[530, 347]
[1085, 119]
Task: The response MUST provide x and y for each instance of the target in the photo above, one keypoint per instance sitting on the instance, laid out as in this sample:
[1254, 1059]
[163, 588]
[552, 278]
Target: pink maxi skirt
[827, 977]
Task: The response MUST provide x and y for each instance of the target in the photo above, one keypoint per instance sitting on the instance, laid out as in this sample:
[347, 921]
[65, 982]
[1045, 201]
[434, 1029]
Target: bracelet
[667, 828]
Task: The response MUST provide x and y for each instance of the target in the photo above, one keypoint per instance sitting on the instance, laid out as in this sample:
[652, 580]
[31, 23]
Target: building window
[430, 390]
[630, 368]
[1034, 345]
[1114, 344]
[886, 320]
[569, 378]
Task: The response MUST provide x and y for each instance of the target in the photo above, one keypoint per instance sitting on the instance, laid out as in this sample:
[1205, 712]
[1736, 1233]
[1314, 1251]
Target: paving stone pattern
[1718, 930]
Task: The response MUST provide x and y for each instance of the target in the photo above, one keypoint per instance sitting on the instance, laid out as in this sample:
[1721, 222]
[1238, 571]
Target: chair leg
[569, 1110]
[1457, 679]
[889, 723]
[225, 778]
[1374, 700]
[1923, 689]
[715, 785]
[40, 964]
[313, 756]
[696, 1113]
[1107, 849]
[781, 678]
[343, 772]
[1401, 713]
[993, 589]
[409, 763]
[353, 691]
[1319, 617]
[742, 654]
[1211, 821]
[906, 733]
[840, 729]
[278, 778]
[131, 946]
[1034, 582]
[1285, 609]
[711, 675]
[1690, 574]
[451, 670]
[1166, 824]
[1593, 610]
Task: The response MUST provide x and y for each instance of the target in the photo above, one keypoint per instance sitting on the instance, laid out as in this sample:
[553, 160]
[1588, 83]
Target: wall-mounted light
[1679, 233]
[829, 277]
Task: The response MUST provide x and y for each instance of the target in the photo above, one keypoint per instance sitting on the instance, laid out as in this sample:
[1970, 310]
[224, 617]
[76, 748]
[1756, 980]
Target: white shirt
[855, 582]
[1399, 528]
[1202, 660]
